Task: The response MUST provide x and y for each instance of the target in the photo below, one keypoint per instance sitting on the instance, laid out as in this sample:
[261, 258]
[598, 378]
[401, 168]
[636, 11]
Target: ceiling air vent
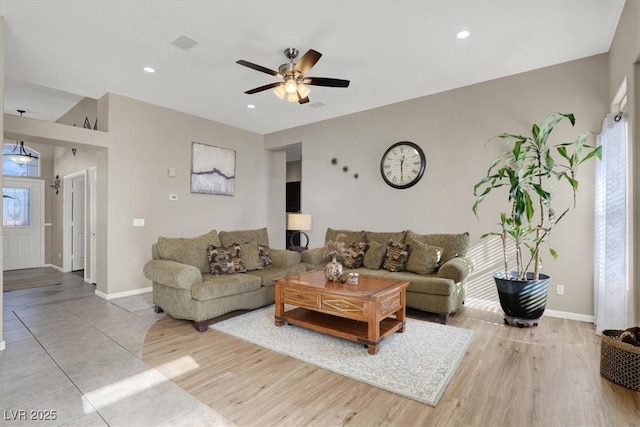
[183, 42]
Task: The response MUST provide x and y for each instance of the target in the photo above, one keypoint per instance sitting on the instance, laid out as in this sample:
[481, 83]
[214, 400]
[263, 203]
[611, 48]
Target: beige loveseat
[436, 268]
[184, 287]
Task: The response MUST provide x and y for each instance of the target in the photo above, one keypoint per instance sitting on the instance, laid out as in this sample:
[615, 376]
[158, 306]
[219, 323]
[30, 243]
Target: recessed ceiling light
[463, 34]
[251, 106]
[149, 70]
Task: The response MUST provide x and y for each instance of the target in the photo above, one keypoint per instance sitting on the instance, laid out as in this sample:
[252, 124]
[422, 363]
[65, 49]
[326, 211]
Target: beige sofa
[184, 287]
[437, 273]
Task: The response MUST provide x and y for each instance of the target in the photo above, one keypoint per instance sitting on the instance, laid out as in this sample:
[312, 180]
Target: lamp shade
[301, 222]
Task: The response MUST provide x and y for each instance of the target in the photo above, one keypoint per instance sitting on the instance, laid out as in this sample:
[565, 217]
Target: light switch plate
[138, 222]
[173, 197]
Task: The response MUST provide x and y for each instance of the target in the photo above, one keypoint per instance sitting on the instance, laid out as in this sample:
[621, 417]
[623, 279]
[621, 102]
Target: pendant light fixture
[19, 155]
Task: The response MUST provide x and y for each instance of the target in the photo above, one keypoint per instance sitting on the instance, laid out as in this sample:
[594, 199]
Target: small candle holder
[352, 278]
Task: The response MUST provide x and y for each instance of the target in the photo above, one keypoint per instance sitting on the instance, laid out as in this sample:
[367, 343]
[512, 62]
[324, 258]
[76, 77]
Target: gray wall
[145, 141]
[452, 128]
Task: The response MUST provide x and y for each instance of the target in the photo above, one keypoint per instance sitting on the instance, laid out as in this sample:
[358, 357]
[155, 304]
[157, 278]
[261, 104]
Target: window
[13, 169]
[16, 207]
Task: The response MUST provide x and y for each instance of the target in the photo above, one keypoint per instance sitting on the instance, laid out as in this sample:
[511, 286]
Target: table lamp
[300, 223]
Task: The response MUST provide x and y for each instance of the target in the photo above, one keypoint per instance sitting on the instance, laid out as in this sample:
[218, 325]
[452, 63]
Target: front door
[22, 221]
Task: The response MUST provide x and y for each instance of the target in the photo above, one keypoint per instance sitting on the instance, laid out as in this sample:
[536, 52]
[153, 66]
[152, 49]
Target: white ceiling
[60, 51]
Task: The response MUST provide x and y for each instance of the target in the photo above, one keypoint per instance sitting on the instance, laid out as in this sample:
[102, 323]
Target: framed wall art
[213, 170]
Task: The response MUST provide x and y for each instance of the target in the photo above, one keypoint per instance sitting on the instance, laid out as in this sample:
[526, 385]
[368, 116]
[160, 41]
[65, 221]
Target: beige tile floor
[77, 358]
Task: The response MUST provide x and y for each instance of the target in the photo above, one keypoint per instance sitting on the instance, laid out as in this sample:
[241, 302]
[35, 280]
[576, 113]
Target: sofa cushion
[190, 251]
[251, 256]
[259, 236]
[375, 255]
[351, 236]
[384, 237]
[396, 256]
[430, 284]
[452, 245]
[225, 260]
[423, 258]
[222, 286]
[268, 275]
[354, 254]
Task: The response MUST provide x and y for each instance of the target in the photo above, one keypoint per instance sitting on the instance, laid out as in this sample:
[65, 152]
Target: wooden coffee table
[365, 313]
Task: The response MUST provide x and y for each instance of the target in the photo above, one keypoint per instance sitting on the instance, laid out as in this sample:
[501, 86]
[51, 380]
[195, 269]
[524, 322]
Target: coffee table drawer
[300, 298]
[343, 306]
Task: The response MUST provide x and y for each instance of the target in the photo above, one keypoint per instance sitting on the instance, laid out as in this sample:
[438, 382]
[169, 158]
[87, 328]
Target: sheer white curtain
[612, 226]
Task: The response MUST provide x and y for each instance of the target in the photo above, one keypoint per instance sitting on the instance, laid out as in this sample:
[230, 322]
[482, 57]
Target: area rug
[417, 364]
[29, 282]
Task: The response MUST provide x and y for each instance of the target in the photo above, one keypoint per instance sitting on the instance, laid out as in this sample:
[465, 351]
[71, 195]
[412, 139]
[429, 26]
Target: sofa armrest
[172, 273]
[284, 258]
[456, 269]
[314, 256]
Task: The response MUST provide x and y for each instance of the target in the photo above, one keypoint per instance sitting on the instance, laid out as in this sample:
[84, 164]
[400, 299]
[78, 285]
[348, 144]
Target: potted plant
[529, 173]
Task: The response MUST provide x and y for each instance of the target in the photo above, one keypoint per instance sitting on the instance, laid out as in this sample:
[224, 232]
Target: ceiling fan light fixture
[292, 97]
[290, 86]
[279, 91]
[303, 91]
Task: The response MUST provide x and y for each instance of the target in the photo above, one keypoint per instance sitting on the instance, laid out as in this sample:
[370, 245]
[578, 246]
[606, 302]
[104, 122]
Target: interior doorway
[74, 222]
[23, 223]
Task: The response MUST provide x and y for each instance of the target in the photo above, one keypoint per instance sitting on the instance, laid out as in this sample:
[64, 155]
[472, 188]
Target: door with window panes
[22, 220]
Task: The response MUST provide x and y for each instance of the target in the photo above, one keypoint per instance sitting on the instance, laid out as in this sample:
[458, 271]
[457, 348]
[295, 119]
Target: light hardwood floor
[543, 376]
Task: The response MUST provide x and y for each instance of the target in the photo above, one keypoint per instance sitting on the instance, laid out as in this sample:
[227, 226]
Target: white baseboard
[494, 306]
[571, 316]
[2, 345]
[53, 266]
[123, 294]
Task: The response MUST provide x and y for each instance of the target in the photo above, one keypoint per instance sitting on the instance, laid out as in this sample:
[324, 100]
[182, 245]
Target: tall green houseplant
[529, 173]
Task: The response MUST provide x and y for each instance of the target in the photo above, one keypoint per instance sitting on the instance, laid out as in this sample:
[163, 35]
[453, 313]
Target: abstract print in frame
[213, 170]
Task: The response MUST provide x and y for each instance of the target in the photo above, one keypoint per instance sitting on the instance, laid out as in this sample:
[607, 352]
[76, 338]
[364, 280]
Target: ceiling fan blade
[261, 88]
[307, 61]
[323, 81]
[257, 67]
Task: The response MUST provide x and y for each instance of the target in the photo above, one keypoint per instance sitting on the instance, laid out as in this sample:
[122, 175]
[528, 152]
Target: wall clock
[403, 164]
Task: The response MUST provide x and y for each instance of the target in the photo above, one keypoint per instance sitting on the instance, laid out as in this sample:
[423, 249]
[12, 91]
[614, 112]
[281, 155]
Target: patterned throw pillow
[263, 256]
[423, 258]
[397, 256]
[225, 259]
[354, 255]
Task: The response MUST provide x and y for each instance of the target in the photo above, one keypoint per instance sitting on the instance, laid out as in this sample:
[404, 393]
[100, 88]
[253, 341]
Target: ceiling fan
[294, 83]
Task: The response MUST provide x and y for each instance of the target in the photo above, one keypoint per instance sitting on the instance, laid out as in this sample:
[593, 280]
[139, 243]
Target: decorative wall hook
[73, 150]
[56, 184]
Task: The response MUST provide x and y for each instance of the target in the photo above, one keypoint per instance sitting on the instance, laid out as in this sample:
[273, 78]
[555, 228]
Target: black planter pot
[523, 301]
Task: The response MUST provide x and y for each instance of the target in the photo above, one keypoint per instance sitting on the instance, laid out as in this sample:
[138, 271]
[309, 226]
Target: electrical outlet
[138, 222]
[560, 289]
